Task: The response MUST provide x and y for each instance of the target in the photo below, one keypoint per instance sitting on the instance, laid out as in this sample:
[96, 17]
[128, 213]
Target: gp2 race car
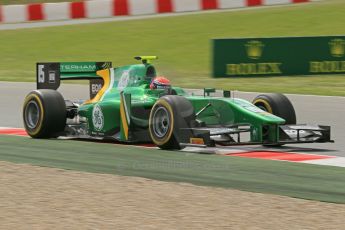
[122, 107]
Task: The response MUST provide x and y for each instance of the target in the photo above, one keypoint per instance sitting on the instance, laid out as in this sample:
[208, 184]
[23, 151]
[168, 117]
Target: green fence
[278, 56]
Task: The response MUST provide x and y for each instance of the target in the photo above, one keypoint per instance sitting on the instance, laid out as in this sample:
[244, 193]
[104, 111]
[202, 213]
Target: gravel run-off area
[33, 197]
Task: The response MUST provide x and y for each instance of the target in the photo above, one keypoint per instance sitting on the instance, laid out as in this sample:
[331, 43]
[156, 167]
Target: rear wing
[50, 74]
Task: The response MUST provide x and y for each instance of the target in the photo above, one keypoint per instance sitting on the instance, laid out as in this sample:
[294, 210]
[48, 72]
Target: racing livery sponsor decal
[95, 86]
[103, 65]
[52, 76]
[78, 67]
[97, 118]
[48, 75]
[70, 67]
[40, 71]
[123, 82]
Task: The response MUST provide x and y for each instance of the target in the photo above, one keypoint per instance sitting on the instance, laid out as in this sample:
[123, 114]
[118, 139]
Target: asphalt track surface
[321, 110]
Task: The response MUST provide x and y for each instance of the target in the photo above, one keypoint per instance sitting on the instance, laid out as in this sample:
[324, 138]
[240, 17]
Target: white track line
[336, 161]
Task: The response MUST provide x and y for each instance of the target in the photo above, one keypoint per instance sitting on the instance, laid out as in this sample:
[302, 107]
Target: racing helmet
[160, 82]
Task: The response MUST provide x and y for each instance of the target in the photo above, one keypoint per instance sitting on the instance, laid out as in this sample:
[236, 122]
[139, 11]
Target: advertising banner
[285, 56]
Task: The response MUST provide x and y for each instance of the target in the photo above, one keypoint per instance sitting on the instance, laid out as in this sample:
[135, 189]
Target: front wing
[228, 136]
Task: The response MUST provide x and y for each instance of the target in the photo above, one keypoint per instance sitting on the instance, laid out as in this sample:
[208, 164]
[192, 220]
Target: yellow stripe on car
[124, 117]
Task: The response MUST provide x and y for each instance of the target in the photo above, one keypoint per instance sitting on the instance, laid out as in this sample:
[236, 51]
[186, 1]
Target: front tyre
[168, 116]
[44, 113]
[277, 104]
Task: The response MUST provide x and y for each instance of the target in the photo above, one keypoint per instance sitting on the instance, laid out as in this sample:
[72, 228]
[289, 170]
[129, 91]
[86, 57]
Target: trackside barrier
[110, 8]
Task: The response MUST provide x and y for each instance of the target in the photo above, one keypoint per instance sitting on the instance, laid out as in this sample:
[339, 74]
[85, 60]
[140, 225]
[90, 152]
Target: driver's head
[160, 83]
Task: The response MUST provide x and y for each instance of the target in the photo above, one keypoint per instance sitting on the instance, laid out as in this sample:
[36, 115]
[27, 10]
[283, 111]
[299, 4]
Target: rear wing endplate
[50, 74]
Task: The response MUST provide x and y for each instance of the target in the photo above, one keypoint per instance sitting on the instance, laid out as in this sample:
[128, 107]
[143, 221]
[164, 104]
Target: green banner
[284, 56]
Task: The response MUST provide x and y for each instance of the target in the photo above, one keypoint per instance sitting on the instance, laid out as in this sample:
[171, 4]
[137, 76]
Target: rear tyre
[44, 113]
[277, 104]
[168, 116]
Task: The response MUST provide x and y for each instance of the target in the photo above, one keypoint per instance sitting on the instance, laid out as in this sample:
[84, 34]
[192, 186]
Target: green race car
[123, 107]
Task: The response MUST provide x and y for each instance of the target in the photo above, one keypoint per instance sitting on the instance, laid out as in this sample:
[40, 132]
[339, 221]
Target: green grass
[313, 182]
[182, 43]
[13, 2]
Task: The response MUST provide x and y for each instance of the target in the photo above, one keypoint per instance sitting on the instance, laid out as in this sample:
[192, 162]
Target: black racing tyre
[44, 113]
[277, 104]
[168, 115]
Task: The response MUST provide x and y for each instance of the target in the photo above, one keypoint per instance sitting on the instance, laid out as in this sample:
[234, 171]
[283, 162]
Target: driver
[160, 82]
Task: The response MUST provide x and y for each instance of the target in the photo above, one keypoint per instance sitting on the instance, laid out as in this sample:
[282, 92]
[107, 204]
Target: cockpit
[133, 76]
